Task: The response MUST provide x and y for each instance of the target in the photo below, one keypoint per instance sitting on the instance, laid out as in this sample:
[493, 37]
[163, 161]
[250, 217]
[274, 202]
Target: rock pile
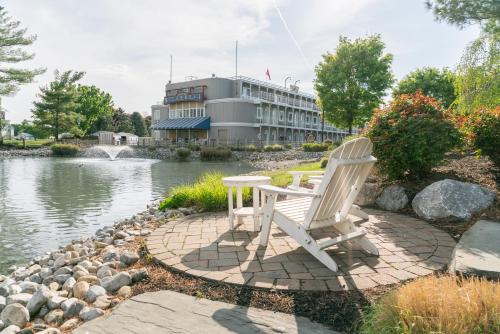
[78, 282]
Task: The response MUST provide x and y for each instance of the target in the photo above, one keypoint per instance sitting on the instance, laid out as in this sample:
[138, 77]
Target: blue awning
[199, 123]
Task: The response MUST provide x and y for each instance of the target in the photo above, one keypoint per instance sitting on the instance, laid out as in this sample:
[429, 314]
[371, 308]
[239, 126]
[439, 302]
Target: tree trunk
[57, 126]
[350, 129]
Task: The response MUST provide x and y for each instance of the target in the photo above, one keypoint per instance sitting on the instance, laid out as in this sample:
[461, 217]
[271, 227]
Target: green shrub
[323, 163]
[328, 142]
[172, 148]
[481, 130]
[183, 153]
[194, 147]
[250, 148]
[152, 148]
[207, 193]
[215, 153]
[411, 136]
[446, 304]
[315, 147]
[288, 146]
[64, 150]
[273, 148]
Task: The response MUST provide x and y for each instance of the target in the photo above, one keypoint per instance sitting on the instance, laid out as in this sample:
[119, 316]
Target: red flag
[268, 75]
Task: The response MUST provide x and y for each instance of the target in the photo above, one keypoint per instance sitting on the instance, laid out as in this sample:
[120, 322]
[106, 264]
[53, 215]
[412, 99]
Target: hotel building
[238, 110]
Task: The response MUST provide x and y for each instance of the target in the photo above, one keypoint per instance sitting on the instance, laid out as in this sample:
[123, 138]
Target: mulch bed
[341, 311]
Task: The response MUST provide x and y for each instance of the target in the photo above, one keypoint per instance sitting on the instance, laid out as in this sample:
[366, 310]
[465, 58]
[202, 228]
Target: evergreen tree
[138, 124]
[121, 121]
[57, 104]
[12, 39]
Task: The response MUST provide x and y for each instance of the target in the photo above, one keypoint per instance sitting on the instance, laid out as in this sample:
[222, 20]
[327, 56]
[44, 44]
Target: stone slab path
[172, 312]
[478, 251]
[202, 245]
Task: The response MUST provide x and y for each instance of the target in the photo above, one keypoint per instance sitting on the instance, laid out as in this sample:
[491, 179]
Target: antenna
[170, 68]
[236, 59]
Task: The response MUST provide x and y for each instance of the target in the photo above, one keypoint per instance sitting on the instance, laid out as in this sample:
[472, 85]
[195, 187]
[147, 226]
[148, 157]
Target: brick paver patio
[202, 245]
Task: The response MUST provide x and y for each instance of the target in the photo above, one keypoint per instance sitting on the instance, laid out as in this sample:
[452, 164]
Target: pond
[47, 202]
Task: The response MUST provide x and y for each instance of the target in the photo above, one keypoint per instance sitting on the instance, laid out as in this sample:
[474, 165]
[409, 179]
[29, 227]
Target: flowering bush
[481, 130]
[411, 136]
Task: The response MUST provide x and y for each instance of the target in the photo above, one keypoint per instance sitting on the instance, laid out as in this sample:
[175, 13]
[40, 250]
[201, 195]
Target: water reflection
[46, 202]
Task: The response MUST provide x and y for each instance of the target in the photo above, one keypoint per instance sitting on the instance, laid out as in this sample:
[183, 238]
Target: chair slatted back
[347, 169]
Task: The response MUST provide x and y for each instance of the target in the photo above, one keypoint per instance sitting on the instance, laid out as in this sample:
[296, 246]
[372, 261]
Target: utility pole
[236, 59]
[323, 126]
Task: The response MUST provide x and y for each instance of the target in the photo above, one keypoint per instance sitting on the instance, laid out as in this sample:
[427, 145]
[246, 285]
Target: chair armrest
[268, 189]
[310, 172]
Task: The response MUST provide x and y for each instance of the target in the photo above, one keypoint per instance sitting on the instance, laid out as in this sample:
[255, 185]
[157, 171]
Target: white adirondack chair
[329, 205]
[315, 178]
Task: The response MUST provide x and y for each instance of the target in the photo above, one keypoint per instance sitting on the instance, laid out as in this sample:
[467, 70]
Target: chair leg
[356, 211]
[302, 236]
[347, 226]
[266, 220]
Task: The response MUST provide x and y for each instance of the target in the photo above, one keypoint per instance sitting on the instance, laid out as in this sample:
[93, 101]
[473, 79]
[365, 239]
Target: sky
[124, 46]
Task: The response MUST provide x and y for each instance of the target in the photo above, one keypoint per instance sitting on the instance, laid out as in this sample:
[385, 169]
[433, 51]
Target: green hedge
[215, 153]
[315, 147]
[64, 150]
[273, 148]
[183, 153]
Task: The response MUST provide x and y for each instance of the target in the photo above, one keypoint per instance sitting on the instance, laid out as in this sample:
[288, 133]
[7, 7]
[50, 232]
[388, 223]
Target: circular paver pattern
[202, 245]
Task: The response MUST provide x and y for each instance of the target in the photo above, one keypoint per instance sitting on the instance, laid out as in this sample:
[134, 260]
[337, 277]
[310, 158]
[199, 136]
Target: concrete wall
[217, 88]
[232, 111]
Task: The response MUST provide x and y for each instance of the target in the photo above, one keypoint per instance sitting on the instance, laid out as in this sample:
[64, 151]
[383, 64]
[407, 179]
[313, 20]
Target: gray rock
[45, 272]
[26, 331]
[55, 302]
[61, 279]
[90, 313]
[129, 258]
[121, 235]
[478, 251]
[94, 292]
[68, 285]
[14, 289]
[61, 261]
[105, 271]
[43, 311]
[54, 317]
[15, 314]
[138, 275]
[35, 278]
[2, 325]
[34, 269]
[5, 285]
[3, 303]
[117, 281]
[21, 273]
[20, 298]
[451, 199]
[50, 331]
[80, 289]
[28, 287]
[39, 299]
[393, 198]
[72, 307]
[368, 194]
[63, 271]
[12, 329]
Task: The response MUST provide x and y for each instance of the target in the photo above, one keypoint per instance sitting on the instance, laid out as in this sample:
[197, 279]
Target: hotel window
[315, 120]
[307, 119]
[192, 113]
[282, 115]
[290, 117]
[246, 91]
[259, 112]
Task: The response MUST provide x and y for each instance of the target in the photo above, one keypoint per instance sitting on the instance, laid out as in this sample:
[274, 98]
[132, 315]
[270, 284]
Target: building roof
[200, 123]
[125, 134]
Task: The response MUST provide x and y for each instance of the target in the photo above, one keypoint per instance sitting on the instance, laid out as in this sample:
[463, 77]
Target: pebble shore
[59, 290]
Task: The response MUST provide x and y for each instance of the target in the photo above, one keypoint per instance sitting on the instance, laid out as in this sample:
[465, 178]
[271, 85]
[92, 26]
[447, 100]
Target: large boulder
[368, 194]
[15, 314]
[393, 198]
[451, 199]
[94, 292]
[19, 298]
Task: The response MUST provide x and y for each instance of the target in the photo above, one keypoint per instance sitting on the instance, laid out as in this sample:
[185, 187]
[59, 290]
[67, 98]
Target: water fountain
[112, 151]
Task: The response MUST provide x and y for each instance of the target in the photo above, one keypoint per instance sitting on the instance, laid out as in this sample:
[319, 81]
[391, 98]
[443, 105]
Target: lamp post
[286, 79]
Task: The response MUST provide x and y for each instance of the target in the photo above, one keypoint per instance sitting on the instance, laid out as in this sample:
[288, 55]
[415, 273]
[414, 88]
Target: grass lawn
[281, 178]
[29, 143]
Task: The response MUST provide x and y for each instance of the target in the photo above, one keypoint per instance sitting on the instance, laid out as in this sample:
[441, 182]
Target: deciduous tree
[95, 105]
[465, 12]
[431, 81]
[352, 81]
[138, 124]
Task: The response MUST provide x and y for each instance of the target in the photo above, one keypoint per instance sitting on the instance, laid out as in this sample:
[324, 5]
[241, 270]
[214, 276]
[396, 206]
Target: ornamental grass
[446, 304]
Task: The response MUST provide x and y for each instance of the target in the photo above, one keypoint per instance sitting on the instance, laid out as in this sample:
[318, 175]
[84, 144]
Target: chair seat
[294, 209]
